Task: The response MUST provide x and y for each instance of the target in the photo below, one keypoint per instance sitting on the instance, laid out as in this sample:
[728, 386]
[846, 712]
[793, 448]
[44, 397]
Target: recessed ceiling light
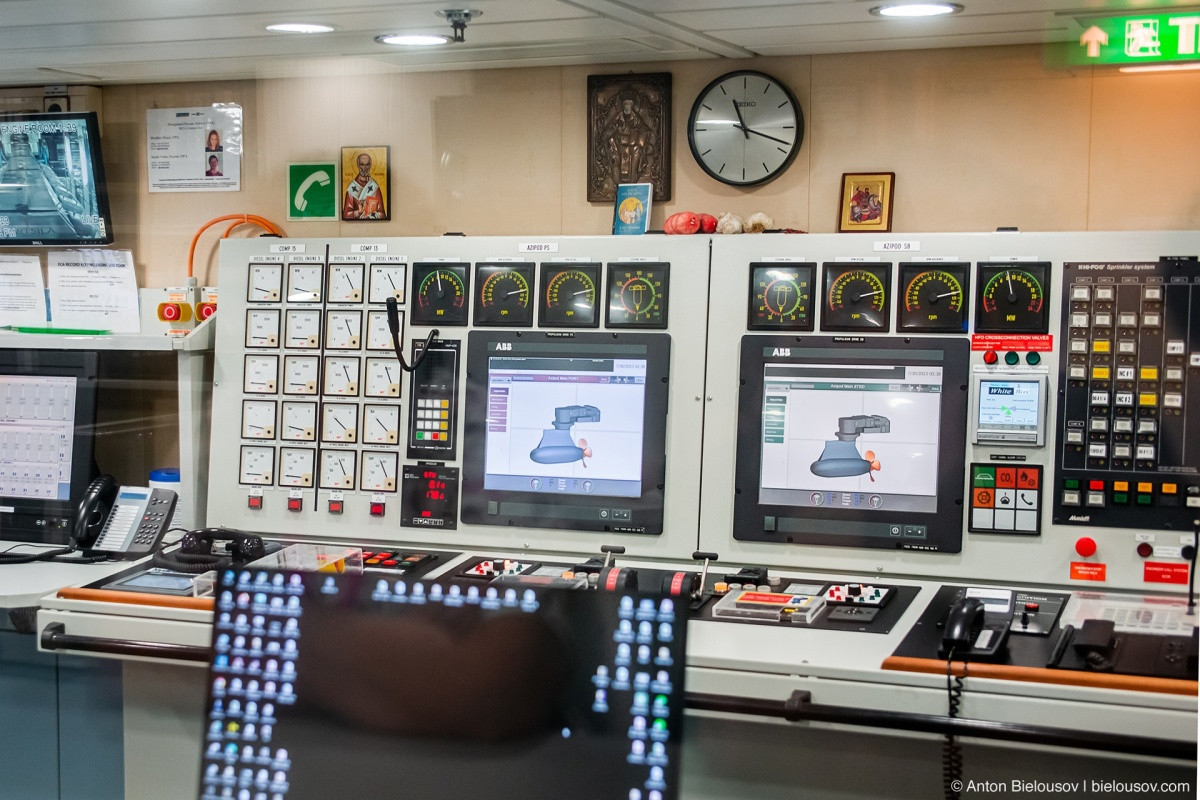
[413, 39]
[300, 27]
[916, 9]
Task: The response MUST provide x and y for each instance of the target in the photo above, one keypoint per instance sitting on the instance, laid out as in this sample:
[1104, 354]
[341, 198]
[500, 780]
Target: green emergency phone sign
[312, 191]
[1138, 39]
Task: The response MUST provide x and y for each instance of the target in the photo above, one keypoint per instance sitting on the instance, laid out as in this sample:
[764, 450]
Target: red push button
[254, 501]
[1085, 546]
[990, 357]
[206, 310]
[295, 504]
[376, 509]
[336, 506]
[1145, 549]
[1096, 486]
[170, 311]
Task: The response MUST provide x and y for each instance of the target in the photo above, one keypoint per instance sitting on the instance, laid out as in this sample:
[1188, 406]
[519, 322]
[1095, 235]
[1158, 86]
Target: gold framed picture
[866, 205]
[629, 134]
[366, 173]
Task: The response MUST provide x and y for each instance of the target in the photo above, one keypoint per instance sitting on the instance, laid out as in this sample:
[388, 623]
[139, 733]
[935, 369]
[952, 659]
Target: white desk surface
[24, 585]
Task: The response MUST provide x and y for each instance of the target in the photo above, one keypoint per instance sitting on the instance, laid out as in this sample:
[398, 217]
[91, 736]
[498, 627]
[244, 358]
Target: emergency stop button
[1085, 546]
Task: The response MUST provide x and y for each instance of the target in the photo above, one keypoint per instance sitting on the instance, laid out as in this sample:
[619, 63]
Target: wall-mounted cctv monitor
[852, 441]
[52, 187]
[566, 430]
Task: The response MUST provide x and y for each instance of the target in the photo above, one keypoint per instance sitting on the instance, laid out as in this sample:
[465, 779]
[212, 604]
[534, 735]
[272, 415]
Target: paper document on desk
[22, 292]
[94, 289]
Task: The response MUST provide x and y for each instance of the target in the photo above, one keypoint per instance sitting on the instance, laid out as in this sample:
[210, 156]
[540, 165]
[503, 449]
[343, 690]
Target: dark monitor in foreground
[348, 686]
[47, 423]
[52, 187]
[566, 431]
[852, 441]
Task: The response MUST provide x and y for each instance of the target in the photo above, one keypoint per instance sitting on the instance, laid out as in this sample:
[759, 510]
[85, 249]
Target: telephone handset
[121, 521]
[971, 633]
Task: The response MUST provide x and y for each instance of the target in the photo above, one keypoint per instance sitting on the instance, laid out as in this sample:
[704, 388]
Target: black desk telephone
[971, 633]
[121, 521]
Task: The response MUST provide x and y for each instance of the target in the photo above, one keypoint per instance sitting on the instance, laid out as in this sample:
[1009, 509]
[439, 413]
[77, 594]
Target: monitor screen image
[324, 686]
[852, 441]
[52, 187]
[566, 432]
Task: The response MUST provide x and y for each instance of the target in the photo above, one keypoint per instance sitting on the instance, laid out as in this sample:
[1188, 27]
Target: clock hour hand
[741, 120]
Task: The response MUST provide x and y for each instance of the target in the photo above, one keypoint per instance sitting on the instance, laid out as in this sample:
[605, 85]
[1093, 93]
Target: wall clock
[745, 128]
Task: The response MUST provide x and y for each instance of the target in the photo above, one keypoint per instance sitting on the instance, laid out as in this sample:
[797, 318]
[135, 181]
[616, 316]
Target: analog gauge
[299, 421]
[262, 327]
[256, 466]
[337, 469]
[781, 297]
[296, 466]
[934, 298]
[265, 283]
[300, 374]
[345, 283]
[441, 294]
[339, 422]
[387, 280]
[343, 330]
[378, 472]
[381, 424]
[856, 297]
[258, 419]
[262, 375]
[302, 328]
[569, 295]
[341, 376]
[1012, 298]
[305, 282]
[379, 335]
[637, 296]
[383, 378]
[505, 295]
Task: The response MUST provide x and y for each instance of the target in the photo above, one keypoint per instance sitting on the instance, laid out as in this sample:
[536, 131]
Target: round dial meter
[569, 296]
[505, 295]
[1012, 298]
[934, 298]
[441, 293]
[856, 297]
[781, 297]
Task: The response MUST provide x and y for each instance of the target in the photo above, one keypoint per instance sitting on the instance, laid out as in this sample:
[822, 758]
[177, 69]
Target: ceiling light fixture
[413, 39]
[916, 9]
[300, 27]
[458, 19]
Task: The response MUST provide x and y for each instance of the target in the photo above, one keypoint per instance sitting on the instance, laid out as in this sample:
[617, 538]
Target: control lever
[707, 558]
[609, 551]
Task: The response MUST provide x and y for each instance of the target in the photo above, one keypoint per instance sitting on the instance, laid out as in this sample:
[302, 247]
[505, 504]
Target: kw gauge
[1012, 298]
[341, 376]
[857, 297]
[343, 330]
[302, 328]
[258, 419]
[379, 335]
[339, 422]
[300, 374]
[261, 375]
[933, 297]
[296, 466]
[381, 425]
[504, 295]
[256, 466]
[387, 280]
[345, 283]
[299, 421]
[337, 469]
[637, 296]
[569, 296]
[379, 472]
[262, 327]
[264, 283]
[781, 297]
[383, 378]
[305, 282]
[441, 292]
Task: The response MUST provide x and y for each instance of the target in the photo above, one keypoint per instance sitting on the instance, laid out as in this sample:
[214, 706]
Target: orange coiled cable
[238, 220]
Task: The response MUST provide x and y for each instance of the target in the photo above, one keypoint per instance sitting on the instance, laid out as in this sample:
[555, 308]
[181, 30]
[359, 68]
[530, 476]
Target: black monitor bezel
[944, 527]
[96, 159]
[22, 522]
[647, 511]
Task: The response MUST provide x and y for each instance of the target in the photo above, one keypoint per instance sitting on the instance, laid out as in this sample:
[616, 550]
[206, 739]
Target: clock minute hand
[741, 121]
[767, 136]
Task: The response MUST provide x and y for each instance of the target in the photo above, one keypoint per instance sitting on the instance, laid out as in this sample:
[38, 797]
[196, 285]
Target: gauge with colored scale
[569, 296]
[781, 297]
[637, 296]
[857, 297]
[441, 292]
[1013, 297]
[933, 297]
[504, 295]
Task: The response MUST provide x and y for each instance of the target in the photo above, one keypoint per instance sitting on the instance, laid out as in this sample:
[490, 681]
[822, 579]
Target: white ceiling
[140, 41]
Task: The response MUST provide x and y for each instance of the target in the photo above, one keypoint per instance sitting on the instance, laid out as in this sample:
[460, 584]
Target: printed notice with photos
[194, 149]
[93, 289]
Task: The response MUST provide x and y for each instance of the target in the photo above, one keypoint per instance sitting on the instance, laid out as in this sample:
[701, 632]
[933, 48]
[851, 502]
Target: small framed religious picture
[866, 205]
[629, 134]
[366, 185]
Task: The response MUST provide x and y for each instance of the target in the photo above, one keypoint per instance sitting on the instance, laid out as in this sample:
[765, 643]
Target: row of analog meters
[856, 296]
[569, 295]
[296, 421]
[335, 376]
[297, 468]
[301, 329]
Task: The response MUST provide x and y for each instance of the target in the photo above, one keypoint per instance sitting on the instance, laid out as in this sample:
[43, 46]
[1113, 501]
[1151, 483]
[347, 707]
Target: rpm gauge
[505, 295]
[1012, 298]
[441, 292]
[857, 297]
[569, 296]
[934, 297]
[781, 297]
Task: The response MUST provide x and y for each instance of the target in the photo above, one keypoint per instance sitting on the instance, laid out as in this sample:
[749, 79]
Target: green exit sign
[1140, 39]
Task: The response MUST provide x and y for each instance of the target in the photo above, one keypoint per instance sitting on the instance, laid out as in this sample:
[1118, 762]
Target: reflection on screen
[565, 425]
[1013, 406]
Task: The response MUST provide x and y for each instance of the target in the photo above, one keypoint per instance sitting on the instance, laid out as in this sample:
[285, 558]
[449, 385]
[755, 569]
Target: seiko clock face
[745, 128]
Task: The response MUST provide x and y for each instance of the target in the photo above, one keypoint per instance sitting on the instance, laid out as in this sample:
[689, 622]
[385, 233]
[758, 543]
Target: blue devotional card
[631, 208]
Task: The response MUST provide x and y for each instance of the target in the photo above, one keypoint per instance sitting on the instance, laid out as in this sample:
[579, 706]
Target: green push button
[1033, 359]
[1120, 498]
[1144, 499]
[1011, 358]
[983, 476]
[1071, 483]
